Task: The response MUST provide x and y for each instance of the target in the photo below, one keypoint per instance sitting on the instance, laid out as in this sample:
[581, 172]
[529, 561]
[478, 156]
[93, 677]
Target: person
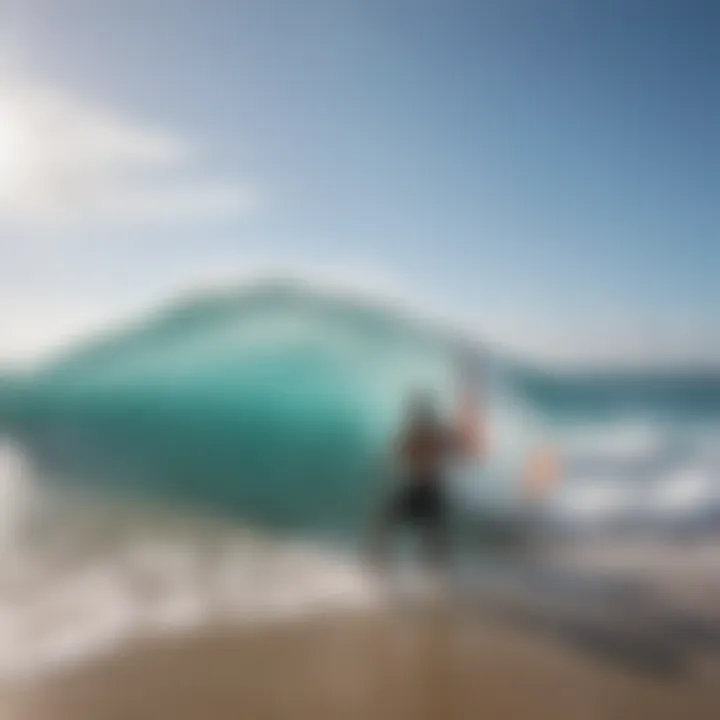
[422, 448]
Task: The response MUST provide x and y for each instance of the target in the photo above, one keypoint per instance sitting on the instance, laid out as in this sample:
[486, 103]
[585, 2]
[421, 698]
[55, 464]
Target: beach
[421, 661]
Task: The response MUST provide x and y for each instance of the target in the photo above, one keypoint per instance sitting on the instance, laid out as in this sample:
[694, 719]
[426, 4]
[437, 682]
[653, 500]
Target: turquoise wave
[276, 403]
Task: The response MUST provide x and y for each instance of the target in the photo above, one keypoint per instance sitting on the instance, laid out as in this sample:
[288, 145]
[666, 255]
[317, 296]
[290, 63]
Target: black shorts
[420, 501]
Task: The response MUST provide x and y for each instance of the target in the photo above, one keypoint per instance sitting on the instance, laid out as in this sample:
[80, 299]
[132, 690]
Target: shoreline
[429, 662]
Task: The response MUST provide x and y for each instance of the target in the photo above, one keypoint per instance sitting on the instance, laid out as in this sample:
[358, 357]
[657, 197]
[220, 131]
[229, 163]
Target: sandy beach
[415, 662]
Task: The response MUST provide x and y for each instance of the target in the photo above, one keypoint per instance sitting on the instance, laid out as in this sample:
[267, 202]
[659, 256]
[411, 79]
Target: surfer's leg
[437, 545]
[390, 515]
[436, 540]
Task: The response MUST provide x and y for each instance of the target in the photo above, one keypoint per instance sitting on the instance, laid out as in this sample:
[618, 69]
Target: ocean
[268, 411]
[276, 404]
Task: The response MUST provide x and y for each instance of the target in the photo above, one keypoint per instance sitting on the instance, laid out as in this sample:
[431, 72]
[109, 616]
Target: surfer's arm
[469, 431]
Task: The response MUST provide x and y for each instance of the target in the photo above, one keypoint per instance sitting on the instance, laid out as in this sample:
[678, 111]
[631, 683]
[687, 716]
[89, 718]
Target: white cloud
[67, 163]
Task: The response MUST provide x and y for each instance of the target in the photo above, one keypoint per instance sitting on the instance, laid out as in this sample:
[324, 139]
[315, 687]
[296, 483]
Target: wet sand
[413, 662]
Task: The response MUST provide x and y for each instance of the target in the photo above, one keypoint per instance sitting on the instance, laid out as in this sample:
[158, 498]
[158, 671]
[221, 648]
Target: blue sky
[548, 170]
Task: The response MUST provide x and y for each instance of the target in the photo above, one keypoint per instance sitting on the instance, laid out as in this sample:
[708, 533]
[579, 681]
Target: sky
[547, 171]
